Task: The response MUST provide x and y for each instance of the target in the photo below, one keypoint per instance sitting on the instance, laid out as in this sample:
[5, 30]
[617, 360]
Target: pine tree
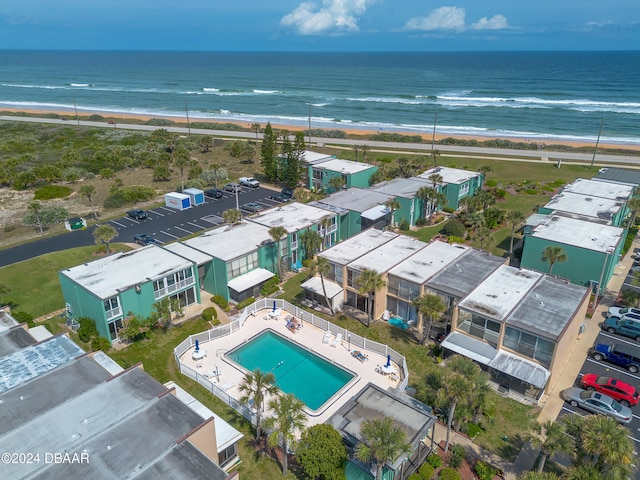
[268, 154]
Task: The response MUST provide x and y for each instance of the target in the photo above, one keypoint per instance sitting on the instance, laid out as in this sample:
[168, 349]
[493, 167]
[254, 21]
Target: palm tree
[369, 282]
[311, 242]
[324, 268]
[254, 388]
[336, 183]
[457, 387]
[104, 234]
[484, 237]
[436, 179]
[392, 204]
[88, 191]
[551, 438]
[429, 306]
[256, 128]
[634, 207]
[609, 446]
[288, 417]
[514, 218]
[365, 149]
[553, 254]
[277, 233]
[431, 198]
[382, 441]
[233, 216]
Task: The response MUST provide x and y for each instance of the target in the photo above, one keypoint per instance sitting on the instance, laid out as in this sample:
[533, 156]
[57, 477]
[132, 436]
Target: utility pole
[186, 107]
[309, 145]
[76, 109]
[595, 150]
[433, 137]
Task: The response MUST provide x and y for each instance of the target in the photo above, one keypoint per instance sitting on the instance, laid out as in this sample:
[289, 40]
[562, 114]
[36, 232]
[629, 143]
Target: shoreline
[295, 128]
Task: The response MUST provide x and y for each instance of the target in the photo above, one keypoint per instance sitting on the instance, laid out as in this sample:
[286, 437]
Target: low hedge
[221, 302]
[209, 314]
[449, 474]
[245, 303]
[426, 471]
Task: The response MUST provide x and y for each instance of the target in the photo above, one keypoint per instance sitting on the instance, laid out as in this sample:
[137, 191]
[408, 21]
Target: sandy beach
[293, 128]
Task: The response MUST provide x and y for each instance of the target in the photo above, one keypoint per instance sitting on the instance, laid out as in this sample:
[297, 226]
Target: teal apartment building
[405, 191]
[456, 184]
[353, 174]
[108, 289]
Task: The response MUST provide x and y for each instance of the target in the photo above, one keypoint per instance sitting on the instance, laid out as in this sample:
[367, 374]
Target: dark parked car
[288, 192]
[213, 193]
[616, 354]
[137, 214]
[144, 239]
[629, 327]
[278, 197]
[252, 207]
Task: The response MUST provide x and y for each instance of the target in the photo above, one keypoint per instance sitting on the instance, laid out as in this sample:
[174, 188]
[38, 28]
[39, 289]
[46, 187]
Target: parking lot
[166, 224]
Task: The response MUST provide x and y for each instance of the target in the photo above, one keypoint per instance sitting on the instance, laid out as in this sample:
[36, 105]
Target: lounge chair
[359, 355]
[327, 337]
[337, 341]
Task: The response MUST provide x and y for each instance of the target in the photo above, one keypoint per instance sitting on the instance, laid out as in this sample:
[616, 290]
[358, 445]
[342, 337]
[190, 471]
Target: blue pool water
[297, 370]
[398, 322]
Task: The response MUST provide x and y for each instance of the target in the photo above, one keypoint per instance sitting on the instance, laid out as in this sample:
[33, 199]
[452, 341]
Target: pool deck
[308, 336]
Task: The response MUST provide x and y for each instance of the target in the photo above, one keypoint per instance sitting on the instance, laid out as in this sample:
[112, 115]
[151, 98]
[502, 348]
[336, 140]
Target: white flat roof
[450, 175]
[292, 216]
[427, 262]
[387, 256]
[600, 188]
[579, 233]
[314, 284]
[104, 277]
[343, 166]
[250, 279]
[315, 157]
[402, 187]
[187, 252]
[356, 246]
[501, 292]
[598, 207]
[229, 242]
[356, 199]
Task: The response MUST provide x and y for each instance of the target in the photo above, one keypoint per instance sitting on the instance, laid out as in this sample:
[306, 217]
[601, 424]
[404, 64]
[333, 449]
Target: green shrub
[100, 343]
[209, 313]
[107, 173]
[448, 209]
[52, 191]
[115, 200]
[491, 183]
[245, 303]
[270, 286]
[473, 429]
[426, 471]
[215, 322]
[530, 191]
[161, 173]
[221, 302]
[24, 317]
[87, 329]
[421, 222]
[448, 474]
[436, 351]
[138, 193]
[404, 225]
[434, 460]
[457, 455]
[415, 476]
[485, 471]
[454, 228]
[454, 239]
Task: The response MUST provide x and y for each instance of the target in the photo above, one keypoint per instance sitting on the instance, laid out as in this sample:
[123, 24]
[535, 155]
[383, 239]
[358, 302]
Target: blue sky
[321, 25]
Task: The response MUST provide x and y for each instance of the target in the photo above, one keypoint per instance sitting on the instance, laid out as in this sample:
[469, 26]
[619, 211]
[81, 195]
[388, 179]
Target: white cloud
[332, 16]
[497, 22]
[453, 18]
[443, 18]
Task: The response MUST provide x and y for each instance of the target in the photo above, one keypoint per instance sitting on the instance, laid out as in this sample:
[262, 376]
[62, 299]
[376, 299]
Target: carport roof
[314, 284]
[248, 280]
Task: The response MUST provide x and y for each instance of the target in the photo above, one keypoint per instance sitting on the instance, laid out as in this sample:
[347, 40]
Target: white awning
[248, 280]
[314, 284]
[375, 213]
[469, 347]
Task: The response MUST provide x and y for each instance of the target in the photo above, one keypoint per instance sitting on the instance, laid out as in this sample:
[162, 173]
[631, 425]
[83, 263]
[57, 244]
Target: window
[114, 326]
[112, 308]
[403, 288]
[317, 174]
[479, 327]
[352, 278]
[464, 189]
[242, 265]
[226, 455]
[401, 308]
[529, 345]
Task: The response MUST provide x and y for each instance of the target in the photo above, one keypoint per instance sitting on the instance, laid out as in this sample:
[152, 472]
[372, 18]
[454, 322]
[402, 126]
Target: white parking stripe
[157, 213]
[120, 224]
[611, 367]
[168, 234]
[196, 225]
[183, 230]
[617, 338]
[168, 209]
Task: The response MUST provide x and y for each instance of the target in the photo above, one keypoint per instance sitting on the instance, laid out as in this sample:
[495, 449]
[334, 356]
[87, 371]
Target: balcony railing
[182, 284]
[113, 313]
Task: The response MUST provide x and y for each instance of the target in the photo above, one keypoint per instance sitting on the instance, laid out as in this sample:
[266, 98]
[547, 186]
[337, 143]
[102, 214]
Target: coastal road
[539, 155]
[164, 224]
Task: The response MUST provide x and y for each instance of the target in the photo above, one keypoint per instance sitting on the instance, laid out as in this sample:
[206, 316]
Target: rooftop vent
[588, 199]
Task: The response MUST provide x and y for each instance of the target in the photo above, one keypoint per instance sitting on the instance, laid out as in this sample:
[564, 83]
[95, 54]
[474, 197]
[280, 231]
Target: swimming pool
[297, 370]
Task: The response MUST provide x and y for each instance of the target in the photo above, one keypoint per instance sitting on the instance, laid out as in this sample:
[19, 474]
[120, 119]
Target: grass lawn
[34, 283]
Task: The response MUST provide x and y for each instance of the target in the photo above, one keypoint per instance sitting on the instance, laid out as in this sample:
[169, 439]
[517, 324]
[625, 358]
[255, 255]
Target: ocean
[528, 95]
